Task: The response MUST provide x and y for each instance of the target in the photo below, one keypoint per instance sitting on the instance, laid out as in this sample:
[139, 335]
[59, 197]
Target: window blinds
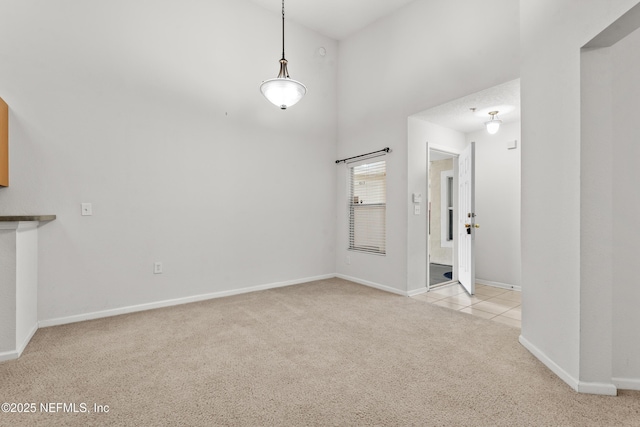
[367, 207]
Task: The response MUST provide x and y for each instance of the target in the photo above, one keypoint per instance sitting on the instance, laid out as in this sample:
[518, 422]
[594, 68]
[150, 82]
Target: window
[367, 207]
[446, 218]
[450, 208]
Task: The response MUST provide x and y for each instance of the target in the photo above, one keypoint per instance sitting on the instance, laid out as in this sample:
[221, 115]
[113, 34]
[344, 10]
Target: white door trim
[455, 153]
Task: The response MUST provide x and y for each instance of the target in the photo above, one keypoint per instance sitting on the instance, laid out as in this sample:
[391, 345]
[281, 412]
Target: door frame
[454, 153]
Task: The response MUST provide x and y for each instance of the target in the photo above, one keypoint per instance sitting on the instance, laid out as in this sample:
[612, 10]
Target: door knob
[467, 225]
[476, 225]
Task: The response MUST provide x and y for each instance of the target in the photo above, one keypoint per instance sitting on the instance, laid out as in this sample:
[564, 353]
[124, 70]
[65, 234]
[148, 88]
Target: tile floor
[500, 305]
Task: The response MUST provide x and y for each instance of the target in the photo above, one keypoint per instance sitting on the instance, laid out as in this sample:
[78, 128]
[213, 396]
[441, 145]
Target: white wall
[555, 302]
[497, 245]
[424, 55]
[609, 90]
[626, 210]
[151, 111]
[596, 209]
[8, 297]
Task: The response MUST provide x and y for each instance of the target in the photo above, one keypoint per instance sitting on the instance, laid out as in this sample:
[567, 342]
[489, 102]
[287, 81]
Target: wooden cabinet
[4, 144]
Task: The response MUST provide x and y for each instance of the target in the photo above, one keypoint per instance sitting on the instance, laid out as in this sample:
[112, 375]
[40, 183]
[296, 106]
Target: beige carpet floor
[327, 353]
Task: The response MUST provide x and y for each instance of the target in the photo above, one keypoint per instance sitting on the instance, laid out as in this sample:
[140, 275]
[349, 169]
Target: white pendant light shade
[493, 125]
[283, 92]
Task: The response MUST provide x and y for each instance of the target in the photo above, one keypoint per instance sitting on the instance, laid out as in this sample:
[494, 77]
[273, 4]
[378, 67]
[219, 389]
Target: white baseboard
[597, 388]
[373, 285]
[9, 355]
[24, 344]
[14, 354]
[498, 284]
[415, 292]
[627, 383]
[579, 386]
[555, 368]
[172, 302]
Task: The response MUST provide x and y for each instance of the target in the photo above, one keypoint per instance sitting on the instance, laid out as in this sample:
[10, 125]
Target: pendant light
[494, 124]
[283, 91]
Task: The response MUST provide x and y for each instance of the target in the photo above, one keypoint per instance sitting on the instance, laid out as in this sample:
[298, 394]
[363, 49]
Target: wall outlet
[348, 260]
[416, 209]
[157, 267]
[86, 209]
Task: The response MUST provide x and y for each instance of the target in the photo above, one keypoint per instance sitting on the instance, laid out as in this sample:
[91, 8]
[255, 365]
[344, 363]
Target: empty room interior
[424, 218]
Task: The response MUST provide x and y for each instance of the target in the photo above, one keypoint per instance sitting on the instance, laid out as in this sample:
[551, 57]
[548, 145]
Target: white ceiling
[337, 19]
[457, 114]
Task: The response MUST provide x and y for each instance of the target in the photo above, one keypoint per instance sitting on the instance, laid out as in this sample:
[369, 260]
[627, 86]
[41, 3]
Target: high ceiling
[339, 19]
[334, 18]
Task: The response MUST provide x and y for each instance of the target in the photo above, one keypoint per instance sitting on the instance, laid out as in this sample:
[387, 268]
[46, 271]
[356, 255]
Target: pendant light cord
[282, 29]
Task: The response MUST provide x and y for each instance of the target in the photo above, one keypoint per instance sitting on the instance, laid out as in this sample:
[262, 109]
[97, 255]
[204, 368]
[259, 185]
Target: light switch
[512, 144]
[87, 209]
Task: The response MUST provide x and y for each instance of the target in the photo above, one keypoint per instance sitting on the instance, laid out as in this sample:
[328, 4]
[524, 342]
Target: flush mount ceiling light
[283, 91]
[494, 124]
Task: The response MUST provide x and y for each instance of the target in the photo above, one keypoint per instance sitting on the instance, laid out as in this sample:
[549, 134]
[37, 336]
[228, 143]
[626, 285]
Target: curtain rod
[386, 150]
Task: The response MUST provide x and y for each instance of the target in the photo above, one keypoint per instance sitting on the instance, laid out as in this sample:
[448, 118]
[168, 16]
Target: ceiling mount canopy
[494, 124]
[283, 91]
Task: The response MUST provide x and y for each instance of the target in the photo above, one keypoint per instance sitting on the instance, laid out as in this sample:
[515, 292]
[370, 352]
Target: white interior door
[466, 218]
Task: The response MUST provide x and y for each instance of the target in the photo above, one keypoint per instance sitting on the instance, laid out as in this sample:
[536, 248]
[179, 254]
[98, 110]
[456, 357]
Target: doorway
[441, 227]
[450, 128]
